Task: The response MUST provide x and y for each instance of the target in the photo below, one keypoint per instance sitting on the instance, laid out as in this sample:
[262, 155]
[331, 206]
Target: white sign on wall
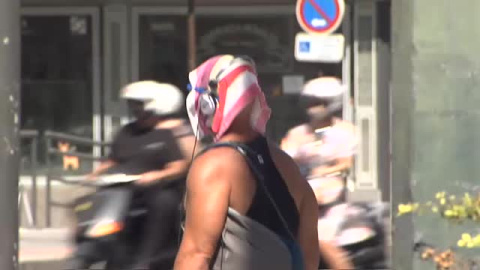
[319, 48]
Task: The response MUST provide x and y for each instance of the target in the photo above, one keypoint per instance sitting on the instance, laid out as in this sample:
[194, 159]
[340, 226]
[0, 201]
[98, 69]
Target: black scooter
[109, 224]
[363, 235]
[361, 232]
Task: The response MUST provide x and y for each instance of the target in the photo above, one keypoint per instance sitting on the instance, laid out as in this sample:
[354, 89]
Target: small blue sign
[304, 46]
[320, 16]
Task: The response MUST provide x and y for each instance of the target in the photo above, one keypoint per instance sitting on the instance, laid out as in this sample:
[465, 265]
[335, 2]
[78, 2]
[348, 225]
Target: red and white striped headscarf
[237, 87]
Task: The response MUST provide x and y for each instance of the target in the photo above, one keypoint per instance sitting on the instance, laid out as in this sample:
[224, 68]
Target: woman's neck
[242, 137]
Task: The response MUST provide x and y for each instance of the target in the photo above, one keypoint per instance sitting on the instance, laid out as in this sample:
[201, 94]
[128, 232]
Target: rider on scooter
[326, 145]
[154, 146]
[324, 150]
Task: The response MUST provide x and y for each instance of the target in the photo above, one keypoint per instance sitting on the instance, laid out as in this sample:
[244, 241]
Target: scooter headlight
[104, 228]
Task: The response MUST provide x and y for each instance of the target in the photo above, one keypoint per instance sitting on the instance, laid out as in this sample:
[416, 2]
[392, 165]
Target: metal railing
[31, 210]
[49, 137]
[34, 137]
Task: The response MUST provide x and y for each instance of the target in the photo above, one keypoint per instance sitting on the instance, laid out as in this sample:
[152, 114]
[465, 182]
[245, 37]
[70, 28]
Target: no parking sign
[320, 16]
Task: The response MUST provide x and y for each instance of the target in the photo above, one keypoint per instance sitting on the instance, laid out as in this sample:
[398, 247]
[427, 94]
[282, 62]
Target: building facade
[76, 55]
[435, 75]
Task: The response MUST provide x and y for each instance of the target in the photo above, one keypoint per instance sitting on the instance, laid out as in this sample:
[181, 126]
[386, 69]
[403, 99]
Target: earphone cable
[196, 141]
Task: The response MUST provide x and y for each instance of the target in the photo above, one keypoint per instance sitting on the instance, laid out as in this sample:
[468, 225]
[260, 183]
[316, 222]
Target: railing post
[192, 49]
[48, 213]
[33, 165]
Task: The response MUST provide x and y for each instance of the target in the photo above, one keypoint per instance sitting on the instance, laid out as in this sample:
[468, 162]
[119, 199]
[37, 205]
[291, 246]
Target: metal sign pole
[192, 40]
[9, 131]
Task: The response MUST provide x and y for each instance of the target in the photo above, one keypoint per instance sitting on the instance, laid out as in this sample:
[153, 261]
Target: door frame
[366, 115]
[246, 10]
[116, 66]
[347, 26]
[94, 12]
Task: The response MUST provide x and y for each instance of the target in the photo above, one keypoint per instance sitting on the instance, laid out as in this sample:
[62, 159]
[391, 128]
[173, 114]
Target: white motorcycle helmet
[161, 99]
[324, 87]
[327, 91]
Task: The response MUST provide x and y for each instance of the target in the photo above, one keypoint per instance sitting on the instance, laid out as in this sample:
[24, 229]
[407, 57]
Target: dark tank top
[261, 209]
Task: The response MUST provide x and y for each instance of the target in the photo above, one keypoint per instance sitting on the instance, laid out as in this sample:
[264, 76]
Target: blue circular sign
[320, 16]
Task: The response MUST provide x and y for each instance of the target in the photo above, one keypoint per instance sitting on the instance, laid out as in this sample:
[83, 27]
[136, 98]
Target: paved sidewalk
[42, 245]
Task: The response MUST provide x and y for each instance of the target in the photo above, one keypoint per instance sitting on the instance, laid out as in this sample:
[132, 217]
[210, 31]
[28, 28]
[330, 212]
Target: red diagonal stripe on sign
[320, 11]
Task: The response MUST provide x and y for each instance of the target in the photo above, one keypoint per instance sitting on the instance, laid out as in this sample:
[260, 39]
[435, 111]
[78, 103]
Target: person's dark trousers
[159, 243]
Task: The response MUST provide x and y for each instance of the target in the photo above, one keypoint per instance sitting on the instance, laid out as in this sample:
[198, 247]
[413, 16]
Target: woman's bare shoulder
[218, 161]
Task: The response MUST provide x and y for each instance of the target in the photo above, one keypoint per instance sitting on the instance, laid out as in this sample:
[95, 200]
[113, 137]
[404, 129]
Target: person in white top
[324, 148]
[326, 145]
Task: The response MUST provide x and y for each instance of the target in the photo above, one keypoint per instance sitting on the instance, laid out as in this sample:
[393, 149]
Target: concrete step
[53, 265]
[41, 245]
[52, 234]
[61, 217]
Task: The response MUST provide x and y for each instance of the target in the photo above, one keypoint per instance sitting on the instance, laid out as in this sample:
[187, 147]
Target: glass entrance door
[60, 83]
[160, 45]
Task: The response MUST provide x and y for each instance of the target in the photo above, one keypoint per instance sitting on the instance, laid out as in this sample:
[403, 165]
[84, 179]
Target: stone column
[401, 128]
[436, 114]
[9, 131]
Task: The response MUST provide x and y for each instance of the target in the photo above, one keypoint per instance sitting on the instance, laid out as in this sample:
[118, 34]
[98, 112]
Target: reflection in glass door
[160, 45]
[60, 75]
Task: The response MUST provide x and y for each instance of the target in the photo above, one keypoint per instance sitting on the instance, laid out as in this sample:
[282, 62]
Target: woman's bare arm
[105, 165]
[340, 165]
[308, 229]
[208, 193]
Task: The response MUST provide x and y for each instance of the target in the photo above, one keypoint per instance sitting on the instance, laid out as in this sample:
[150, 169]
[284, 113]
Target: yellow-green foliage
[453, 209]
[466, 208]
